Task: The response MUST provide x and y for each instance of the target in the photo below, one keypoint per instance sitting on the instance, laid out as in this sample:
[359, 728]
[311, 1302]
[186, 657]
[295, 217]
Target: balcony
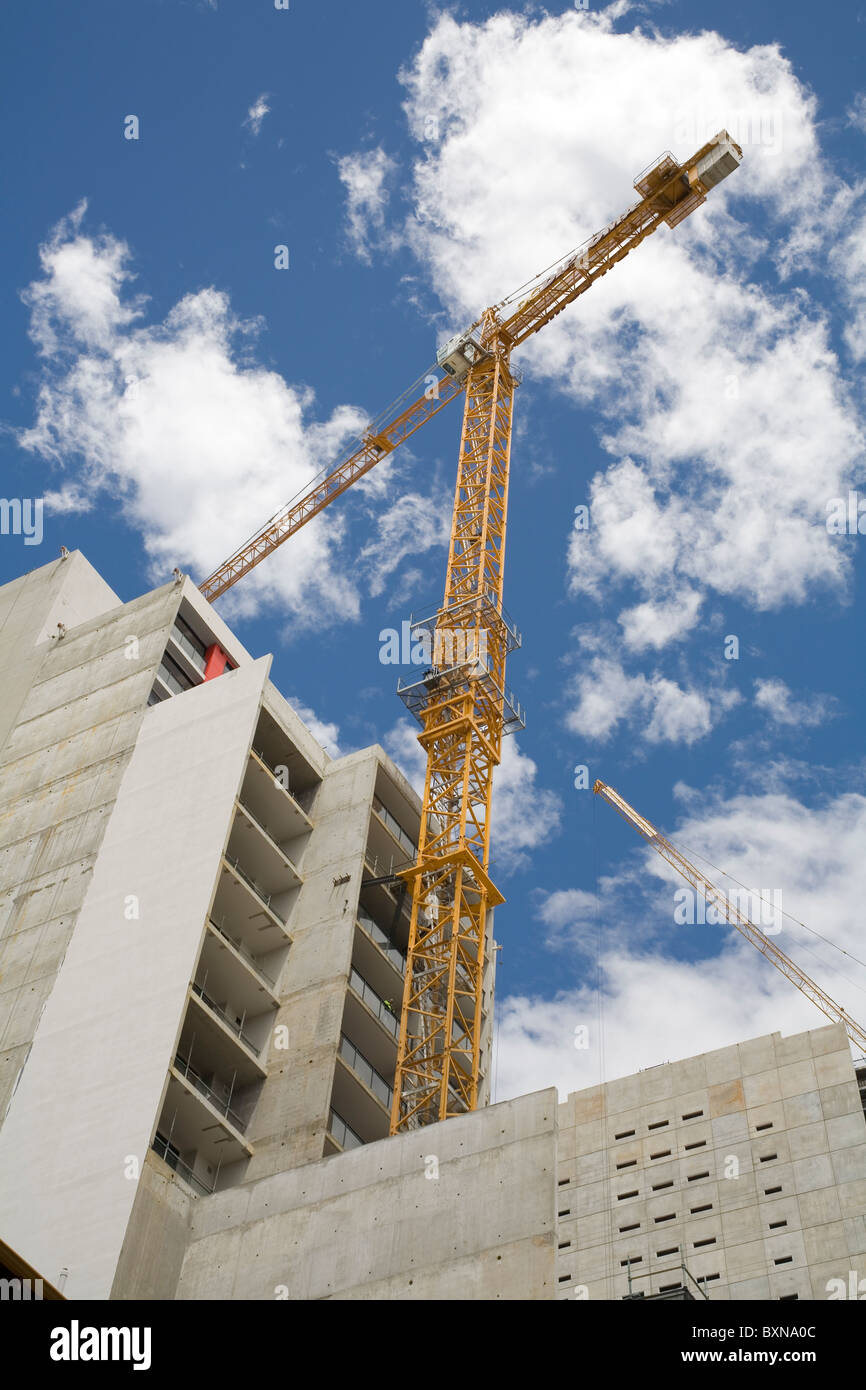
[379, 960]
[361, 1095]
[213, 1035]
[340, 1136]
[272, 804]
[258, 967]
[266, 865]
[204, 1119]
[171, 679]
[249, 922]
[186, 648]
[170, 1153]
[389, 846]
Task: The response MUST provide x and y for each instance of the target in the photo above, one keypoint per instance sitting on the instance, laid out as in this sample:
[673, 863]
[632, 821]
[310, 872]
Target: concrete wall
[83, 1114]
[70, 711]
[371, 1224]
[68, 591]
[781, 1137]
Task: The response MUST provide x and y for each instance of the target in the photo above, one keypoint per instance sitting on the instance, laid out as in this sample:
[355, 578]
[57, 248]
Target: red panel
[215, 662]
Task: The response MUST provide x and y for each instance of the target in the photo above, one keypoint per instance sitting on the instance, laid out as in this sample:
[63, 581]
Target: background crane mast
[732, 914]
[462, 704]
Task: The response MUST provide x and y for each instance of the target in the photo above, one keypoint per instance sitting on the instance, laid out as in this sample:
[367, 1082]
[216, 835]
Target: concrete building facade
[202, 955]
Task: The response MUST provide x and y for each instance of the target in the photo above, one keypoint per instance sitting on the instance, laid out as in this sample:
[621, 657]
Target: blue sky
[165, 388]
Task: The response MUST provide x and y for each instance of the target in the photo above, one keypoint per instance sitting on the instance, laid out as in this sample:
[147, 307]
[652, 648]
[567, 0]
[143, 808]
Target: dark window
[659, 1186]
[633, 1260]
[630, 1163]
[696, 1177]
[564, 1278]
[768, 1191]
[698, 1144]
[567, 1212]
[626, 1134]
[623, 1195]
[708, 1206]
[708, 1278]
[674, 1250]
[693, 1115]
[768, 1125]
[784, 1260]
[635, 1226]
[672, 1217]
[711, 1240]
[659, 1124]
[774, 1225]
[665, 1153]
[768, 1158]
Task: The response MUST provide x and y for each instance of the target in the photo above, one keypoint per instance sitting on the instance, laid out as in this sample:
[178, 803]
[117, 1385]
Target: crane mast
[462, 703]
[732, 914]
[464, 709]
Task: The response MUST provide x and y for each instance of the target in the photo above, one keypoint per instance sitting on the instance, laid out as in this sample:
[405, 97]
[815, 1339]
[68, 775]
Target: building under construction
[202, 963]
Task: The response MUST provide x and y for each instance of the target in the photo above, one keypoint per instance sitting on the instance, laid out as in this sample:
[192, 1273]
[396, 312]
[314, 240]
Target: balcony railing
[365, 1072]
[177, 687]
[339, 1130]
[170, 1155]
[236, 1028]
[396, 829]
[191, 651]
[256, 887]
[266, 830]
[243, 950]
[218, 1102]
[394, 954]
[384, 1012]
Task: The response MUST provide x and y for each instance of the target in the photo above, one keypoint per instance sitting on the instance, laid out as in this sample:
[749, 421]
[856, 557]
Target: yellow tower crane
[732, 914]
[462, 704]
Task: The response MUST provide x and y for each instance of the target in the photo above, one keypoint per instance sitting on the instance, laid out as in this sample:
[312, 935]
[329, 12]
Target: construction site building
[202, 959]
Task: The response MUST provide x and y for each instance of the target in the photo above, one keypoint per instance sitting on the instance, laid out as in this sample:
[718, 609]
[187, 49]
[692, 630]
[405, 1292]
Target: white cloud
[525, 816]
[401, 743]
[728, 420]
[257, 113]
[656, 624]
[327, 734]
[775, 698]
[364, 177]
[412, 525]
[605, 694]
[856, 112]
[654, 1007]
[196, 443]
